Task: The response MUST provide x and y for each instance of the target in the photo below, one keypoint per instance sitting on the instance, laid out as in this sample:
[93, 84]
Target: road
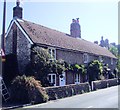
[104, 98]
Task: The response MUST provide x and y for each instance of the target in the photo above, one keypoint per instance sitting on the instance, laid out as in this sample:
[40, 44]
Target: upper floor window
[100, 58]
[52, 52]
[85, 58]
[111, 61]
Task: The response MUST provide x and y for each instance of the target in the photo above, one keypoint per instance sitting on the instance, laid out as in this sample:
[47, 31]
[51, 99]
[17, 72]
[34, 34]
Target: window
[100, 58]
[111, 61]
[52, 79]
[85, 58]
[52, 53]
[77, 78]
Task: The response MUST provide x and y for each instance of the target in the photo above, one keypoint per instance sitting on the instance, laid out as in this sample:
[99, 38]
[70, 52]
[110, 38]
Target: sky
[97, 18]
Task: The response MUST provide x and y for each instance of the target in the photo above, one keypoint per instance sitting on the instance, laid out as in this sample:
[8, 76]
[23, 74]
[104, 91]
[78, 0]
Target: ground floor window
[77, 78]
[52, 79]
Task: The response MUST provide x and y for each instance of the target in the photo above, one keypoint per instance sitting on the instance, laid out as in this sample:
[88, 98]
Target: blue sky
[96, 18]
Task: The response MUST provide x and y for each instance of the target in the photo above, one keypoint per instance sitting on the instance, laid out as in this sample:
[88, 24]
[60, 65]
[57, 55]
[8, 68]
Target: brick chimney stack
[17, 11]
[75, 29]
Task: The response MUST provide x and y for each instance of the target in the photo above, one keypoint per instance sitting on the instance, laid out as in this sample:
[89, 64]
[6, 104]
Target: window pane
[49, 51]
[53, 53]
[50, 78]
[54, 79]
[85, 58]
[78, 77]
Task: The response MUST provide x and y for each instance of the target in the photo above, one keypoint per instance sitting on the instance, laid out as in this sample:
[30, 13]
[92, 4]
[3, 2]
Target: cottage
[22, 35]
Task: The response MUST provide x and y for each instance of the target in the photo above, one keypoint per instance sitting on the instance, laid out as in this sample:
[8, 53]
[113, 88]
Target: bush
[27, 90]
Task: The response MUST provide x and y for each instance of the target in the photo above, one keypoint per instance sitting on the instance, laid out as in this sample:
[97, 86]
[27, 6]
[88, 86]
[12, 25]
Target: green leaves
[114, 50]
[95, 66]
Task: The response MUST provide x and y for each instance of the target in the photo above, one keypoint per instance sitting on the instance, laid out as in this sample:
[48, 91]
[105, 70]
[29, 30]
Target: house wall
[24, 53]
[108, 61]
[8, 43]
[73, 57]
[77, 57]
[23, 50]
[69, 78]
[69, 57]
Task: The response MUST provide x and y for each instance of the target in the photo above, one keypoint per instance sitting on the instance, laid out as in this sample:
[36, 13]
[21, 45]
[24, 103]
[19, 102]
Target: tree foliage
[40, 65]
[94, 70]
[114, 50]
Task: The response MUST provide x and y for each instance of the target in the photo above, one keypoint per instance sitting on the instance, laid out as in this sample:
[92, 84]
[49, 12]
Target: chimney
[95, 42]
[75, 29]
[17, 11]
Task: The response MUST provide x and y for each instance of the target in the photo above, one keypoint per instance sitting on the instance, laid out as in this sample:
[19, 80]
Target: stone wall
[23, 51]
[104, 83]
[58, 92]
[23, 48]
[73, 57]
[9, 43]
[66, 91]
[70, 57]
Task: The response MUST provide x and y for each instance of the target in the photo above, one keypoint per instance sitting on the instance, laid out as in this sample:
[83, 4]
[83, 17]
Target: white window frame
[77, 78]
[85, 60]
[51, 54]
[111, 60]
[51, 80]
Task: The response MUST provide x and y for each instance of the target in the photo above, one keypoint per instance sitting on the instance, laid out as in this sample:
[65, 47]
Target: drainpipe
[3, 30]
[3, 39]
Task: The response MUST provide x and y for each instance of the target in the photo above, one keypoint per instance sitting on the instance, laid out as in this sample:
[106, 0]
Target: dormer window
[52, 52]
[85, 58]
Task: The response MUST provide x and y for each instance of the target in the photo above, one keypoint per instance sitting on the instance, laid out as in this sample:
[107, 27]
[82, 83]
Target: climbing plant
[94, 70]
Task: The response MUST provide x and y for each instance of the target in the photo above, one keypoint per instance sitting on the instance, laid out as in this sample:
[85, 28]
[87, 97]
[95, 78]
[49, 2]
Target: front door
[62, 79]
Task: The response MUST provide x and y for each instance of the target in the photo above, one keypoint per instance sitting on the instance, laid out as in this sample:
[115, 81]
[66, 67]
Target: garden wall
[58, 92]
[67, 91]
[104, 83]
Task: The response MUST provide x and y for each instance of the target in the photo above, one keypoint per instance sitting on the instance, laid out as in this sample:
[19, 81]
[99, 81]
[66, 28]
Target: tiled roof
[43, 35]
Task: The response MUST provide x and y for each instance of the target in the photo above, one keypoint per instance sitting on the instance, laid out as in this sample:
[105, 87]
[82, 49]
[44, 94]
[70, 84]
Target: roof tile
[43, 35]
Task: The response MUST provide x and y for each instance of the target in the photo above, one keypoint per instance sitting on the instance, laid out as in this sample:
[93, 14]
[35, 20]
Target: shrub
[27, 89]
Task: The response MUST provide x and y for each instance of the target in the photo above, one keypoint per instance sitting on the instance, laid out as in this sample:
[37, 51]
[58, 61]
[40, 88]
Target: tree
[94, 70]
[39, 67]
[114, 50]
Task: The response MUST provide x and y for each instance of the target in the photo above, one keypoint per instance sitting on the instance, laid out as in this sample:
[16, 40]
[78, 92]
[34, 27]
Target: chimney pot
[17, 11]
